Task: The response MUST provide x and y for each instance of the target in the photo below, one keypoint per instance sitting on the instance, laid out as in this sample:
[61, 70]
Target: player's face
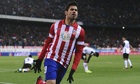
[123, 38]
[72, 13]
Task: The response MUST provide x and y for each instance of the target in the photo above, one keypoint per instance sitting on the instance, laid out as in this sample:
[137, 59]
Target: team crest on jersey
[65, 36]
[74, 32]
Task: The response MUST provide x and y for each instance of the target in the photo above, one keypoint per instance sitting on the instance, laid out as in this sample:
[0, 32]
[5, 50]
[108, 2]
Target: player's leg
[26, 68]
[50, 71]
[125, 57]
[50, 67]
[60, 73]
[54, 72]
[89, 58]
[85, 64]
[129, 61]
[86, 67]
[19, 70]
[22, 70]
[125, 64]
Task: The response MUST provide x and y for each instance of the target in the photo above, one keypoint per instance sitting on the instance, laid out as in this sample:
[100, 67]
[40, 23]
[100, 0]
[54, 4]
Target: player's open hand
[37, 65]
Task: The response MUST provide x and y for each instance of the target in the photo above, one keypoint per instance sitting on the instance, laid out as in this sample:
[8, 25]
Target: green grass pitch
[106, 70]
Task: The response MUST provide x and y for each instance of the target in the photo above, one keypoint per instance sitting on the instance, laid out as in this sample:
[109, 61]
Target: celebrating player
[28, 62]
[88, 52]
[64, 36]
[126, 50]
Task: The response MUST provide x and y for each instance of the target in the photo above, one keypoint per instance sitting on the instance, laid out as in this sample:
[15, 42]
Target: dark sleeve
[123, 44]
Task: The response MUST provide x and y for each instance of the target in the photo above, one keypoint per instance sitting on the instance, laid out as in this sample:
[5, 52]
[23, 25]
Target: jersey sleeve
[79, 49]
[47, 43]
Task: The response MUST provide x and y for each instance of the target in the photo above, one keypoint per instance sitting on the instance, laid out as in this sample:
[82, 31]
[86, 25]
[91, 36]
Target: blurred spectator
[93, 12]
[29, 35]
[22, 35]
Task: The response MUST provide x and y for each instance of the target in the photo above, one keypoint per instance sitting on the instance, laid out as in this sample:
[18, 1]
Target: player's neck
[69, 21]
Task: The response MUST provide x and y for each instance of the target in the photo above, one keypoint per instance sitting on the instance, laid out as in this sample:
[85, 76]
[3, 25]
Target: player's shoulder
[59, 22]
[89, 48]
[86, 47]
[126, 41]
[81, 30]
[56, 23]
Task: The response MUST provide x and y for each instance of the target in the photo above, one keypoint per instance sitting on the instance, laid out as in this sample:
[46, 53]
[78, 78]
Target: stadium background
[26, 23]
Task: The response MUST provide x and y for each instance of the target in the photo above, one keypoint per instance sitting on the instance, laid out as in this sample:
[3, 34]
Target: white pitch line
[6, 83]
[7, 70]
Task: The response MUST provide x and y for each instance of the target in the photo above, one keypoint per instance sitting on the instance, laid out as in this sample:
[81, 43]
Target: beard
[73, 18]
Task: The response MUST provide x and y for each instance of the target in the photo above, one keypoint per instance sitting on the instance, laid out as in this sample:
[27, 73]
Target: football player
[88, 52]
[28, 62]
[126, 51]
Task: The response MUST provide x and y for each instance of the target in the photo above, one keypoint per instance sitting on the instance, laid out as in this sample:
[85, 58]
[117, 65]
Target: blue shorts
[54, 70]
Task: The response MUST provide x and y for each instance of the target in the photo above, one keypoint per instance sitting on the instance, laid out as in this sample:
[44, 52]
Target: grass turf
[106, 70]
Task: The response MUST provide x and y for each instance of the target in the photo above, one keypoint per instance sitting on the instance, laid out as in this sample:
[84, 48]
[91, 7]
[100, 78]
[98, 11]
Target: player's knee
[51, 82]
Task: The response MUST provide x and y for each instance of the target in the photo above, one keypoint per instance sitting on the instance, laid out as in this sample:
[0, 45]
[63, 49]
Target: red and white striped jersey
[61, 42]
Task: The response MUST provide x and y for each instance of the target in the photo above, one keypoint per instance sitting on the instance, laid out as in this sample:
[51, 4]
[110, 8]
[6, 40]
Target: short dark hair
[124, 37]
[30, 55]
[72, 3]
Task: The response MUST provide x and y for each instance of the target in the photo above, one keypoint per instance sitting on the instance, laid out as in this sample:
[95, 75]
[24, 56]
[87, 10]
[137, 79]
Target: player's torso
[88, 50]
[126, 48]
[28, 60]
[63, 44]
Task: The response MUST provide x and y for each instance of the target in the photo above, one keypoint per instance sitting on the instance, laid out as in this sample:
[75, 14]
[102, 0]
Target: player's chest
[66, 33]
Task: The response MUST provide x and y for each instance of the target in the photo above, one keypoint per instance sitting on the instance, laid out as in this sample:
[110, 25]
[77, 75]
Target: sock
[20, 69]
[25, 70]
[125, 63]
[85, 66]
[129, 61]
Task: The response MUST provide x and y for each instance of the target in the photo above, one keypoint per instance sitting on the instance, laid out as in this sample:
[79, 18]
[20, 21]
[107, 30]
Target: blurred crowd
[30, 35]
[22, 35]
[91, 12]
[109, 37]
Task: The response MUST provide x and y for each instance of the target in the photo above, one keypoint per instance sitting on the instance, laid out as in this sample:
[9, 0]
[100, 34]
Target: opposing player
[28, 62]
[126, 51]
[88, 52]
[64, 36]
